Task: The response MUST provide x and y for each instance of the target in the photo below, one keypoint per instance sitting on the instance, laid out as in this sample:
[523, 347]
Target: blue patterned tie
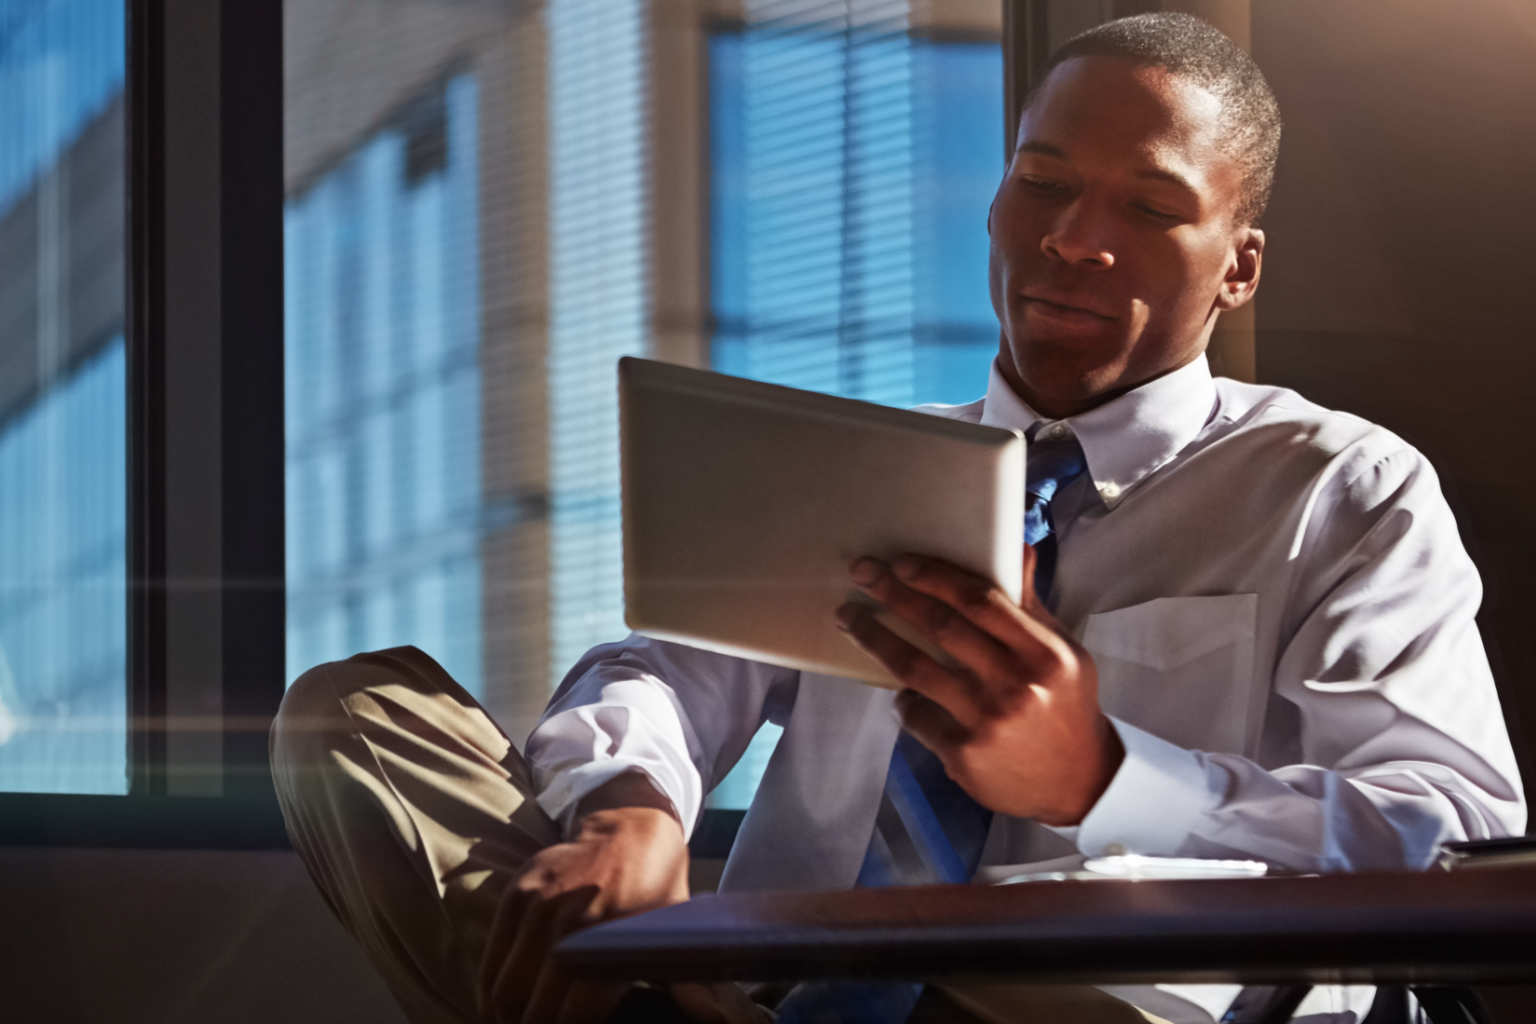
[927, 828]
[1051, 465]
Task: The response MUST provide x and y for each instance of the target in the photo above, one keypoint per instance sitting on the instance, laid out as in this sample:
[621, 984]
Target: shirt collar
[1127, 438]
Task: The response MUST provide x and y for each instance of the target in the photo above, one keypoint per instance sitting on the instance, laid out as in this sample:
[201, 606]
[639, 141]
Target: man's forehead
[1142, 119]
[1122, 87]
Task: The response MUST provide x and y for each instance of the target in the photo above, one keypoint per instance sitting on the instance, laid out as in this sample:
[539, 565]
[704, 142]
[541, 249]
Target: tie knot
[1050, 465]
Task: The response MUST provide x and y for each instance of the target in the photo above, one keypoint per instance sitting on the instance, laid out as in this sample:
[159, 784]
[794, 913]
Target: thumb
[1029, 599]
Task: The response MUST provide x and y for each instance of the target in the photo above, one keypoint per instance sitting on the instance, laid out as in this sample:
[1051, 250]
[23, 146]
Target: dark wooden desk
[1472, 926]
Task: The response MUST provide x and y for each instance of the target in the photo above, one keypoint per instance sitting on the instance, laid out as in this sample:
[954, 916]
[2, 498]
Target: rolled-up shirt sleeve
[1401, 742]
[678, 714]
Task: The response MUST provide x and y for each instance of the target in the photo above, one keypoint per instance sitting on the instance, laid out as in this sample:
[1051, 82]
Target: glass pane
[383, 424]
[855, 260]
[488, 204]
[467, 248]
[63, 612]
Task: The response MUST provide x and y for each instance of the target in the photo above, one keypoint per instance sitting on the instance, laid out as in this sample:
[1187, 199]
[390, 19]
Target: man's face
[1114, 239]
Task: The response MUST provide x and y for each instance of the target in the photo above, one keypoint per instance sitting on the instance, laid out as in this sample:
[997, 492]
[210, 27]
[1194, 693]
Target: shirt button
[1056, 431]
[1109, 491]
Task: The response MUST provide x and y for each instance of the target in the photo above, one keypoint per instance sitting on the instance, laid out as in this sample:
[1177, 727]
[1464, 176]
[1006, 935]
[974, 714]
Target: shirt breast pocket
[1179, 667]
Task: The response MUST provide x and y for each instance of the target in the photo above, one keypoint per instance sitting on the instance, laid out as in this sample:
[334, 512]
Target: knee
[315, 713]
[328, 703]
[308, 720]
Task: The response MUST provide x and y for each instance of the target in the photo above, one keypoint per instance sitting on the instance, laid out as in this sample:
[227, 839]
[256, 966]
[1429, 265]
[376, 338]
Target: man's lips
[1063, 306]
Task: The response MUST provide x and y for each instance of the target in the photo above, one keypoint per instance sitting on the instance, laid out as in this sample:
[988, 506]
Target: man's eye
[1158, 213]
[1045, 186]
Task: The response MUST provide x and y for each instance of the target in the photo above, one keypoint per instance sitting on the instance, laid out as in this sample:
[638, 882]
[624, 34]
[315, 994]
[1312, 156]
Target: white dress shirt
[1280, 610]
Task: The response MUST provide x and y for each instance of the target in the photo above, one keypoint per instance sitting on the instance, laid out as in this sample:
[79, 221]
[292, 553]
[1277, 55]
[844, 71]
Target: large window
[485, 206]
[63, 556]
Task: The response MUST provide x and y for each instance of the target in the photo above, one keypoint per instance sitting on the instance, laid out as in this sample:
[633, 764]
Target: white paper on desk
[1127, 866]
[1135, 865]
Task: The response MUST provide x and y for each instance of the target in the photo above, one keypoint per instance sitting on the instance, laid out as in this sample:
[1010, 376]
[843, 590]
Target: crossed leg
[414, 813]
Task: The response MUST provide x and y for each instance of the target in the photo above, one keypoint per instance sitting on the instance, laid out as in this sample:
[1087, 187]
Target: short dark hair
[1189, 46]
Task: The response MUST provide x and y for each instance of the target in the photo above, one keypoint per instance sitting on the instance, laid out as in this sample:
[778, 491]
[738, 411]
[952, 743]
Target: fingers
[1030, 599]
[965, 640]
[525, 985]
[513, 978]
[1029, 634]
[517, 980]
[552, 985]
[929, 722]
[622, 860]
[502, 988]
[910, 666]
[558, 869]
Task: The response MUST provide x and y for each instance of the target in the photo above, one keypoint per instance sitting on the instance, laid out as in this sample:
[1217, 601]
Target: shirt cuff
[632, 726]
[1153, 802]
[566, 789]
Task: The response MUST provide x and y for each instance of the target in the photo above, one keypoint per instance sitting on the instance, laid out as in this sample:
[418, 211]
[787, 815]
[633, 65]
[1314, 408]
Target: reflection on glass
[852, 260]
[382, 392]
[466, 248]
[63, 613]
[474, 236]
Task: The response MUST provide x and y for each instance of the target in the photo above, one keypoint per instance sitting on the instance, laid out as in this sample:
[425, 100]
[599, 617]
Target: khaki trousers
[413, 812]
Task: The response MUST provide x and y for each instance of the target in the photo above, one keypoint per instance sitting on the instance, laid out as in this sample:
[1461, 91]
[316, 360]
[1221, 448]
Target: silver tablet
[745, 502]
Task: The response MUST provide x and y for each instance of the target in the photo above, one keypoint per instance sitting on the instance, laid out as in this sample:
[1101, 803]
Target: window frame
[203, 175]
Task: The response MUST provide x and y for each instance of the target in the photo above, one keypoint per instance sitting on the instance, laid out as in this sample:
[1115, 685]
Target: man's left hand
[1016, 719]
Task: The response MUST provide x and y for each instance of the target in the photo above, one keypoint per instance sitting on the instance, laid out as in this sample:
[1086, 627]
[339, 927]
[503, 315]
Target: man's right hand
[628, 853]
[628, 859]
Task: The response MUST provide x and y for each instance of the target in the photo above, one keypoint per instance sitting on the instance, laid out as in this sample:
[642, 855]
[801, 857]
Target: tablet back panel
[745, 502]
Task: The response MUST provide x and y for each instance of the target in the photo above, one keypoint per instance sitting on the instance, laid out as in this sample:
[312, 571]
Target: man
[1256, 637]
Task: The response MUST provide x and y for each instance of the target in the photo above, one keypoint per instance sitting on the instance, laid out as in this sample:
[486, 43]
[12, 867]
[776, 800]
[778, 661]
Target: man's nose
[1076, 236]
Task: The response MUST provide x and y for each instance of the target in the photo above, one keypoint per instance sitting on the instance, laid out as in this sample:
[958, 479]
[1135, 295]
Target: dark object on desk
[1450, 1004]
[1506, 851]
[1274, 1004]
[1433, 928]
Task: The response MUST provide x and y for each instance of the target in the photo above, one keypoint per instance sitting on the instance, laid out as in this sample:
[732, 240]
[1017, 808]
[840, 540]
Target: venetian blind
[598, 304]
[814, 262]
[852, 158]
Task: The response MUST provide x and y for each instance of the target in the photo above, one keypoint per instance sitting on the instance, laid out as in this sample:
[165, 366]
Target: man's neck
[1060, 408]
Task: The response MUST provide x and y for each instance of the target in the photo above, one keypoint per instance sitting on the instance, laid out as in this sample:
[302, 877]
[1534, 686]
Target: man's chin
[1057, 385]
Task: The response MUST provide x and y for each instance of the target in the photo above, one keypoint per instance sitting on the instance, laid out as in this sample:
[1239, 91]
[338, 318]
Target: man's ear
[1242, 278]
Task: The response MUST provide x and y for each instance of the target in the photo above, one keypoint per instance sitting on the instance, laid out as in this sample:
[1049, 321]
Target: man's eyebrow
[1158, 174]
[1043, 148]
[1149, 173]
